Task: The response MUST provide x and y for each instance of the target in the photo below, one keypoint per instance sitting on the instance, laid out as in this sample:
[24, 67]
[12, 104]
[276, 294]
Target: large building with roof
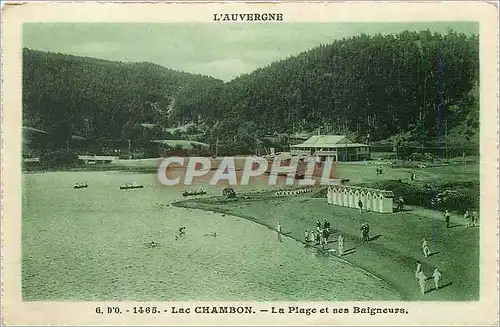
[337, 147]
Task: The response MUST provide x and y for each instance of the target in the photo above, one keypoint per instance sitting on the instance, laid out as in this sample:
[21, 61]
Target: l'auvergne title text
[256, 17]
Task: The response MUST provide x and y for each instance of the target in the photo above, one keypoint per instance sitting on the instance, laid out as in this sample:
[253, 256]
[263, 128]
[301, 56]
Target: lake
[91, 244]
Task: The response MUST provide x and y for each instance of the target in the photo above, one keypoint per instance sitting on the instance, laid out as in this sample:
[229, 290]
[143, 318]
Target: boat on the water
[81, 185]
[200, 192]
[130, 186]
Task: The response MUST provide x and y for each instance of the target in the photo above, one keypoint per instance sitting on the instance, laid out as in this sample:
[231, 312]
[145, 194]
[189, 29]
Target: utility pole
[129, 152]
[446, 137]
[345, 139]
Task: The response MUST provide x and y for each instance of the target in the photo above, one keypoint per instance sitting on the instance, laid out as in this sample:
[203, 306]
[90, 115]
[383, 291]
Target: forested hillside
[407, 88]
[99, 99]
[414, 85]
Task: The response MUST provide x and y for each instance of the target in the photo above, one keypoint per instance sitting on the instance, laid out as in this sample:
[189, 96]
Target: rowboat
[130, 186]
[185, 193]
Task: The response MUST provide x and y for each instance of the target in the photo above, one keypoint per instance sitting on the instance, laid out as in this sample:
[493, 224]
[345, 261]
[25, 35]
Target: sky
[223, 51]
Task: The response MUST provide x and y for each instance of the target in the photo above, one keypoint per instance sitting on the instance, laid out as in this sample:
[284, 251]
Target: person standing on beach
[312, 237]
[366, 232]
[340, 245]
[321, 237]
[474, 218]
[436, 276]
[418, 271]
[306, 236]
[421, 281]
[425, 248]
[360, 205]
[467, 219]
[400, 203]
[447, 218]
[318, 225]
[325, 237]
[278, 229]
[326, 225]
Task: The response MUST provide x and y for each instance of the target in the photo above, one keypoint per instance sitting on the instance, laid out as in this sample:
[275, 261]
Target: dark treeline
[406, 88]
[101, 100]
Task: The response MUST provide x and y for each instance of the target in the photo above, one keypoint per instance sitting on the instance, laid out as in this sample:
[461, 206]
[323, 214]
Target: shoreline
[402, 282]
[254, 220]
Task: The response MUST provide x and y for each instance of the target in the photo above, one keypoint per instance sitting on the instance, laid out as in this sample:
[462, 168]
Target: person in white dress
[312, 237]
[421, 281]
[474, 218]
[436, 276]
[418, 270]
[340, 245]
[425, 248]
[467, 219]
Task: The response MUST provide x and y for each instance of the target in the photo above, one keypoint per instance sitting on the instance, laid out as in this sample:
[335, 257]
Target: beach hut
[356, 197]
[368, 200]
[387, 202]
[362, 198]
[333, 195]
[372, 199]
[375, 201]
[345, 197]
[329, 195]
[352, 204]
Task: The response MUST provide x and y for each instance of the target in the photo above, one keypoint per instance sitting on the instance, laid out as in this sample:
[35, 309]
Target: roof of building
[328, 141]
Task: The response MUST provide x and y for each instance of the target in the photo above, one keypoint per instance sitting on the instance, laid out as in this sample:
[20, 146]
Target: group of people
[81, 185]
[320, 235]
[471, 219]
[181, 233]
[420, 275]
[422, 278]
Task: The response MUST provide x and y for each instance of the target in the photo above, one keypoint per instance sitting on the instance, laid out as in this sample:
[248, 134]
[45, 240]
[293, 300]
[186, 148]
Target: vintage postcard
[250, 164]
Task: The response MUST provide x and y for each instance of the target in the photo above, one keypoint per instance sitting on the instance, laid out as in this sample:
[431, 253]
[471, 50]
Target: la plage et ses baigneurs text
[250, 310]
